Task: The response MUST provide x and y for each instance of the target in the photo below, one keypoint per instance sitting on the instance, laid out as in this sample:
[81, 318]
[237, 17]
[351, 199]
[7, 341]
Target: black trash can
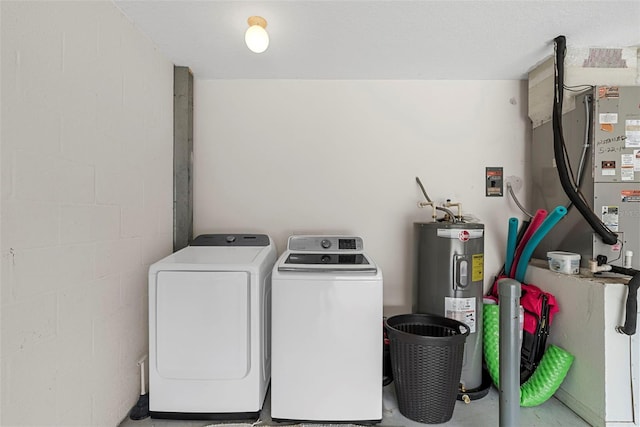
[426, 357]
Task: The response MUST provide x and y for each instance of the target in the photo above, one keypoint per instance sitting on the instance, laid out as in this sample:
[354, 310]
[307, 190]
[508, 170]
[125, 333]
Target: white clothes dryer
[327, 332]
[209, 328]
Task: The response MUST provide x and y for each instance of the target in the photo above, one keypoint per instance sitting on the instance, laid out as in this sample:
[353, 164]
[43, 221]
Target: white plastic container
[564, 262]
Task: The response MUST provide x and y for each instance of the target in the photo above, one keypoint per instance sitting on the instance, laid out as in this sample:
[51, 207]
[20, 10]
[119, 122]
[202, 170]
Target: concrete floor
[479, 413]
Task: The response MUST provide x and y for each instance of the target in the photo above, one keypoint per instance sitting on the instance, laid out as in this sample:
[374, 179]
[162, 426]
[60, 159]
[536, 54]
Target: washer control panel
[325, 243]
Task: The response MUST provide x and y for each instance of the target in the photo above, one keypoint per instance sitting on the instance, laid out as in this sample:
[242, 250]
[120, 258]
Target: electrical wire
[575, 179]
[426, 196]
[515, 199]
[575, 88]
[587, 138]
[588, 133]
[619, 254]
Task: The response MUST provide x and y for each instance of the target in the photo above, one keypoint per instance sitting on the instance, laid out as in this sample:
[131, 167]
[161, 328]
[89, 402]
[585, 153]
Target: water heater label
[477, 268]
[462, 310]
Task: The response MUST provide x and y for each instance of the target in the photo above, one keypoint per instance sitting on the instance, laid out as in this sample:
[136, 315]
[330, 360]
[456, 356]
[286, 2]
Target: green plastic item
[547, 377]
[491, 340]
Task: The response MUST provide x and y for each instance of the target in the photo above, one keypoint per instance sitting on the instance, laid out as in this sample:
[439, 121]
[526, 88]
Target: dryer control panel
[231, 240]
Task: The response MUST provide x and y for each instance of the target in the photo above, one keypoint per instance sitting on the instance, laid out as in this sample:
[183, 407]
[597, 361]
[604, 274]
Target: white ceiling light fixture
[256, 37]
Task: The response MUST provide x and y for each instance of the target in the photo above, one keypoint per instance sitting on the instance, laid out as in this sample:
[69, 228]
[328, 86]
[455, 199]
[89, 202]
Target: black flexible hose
[607, 236]
[631, 306]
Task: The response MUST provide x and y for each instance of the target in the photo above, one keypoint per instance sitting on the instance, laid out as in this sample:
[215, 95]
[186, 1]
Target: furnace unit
[602, 136]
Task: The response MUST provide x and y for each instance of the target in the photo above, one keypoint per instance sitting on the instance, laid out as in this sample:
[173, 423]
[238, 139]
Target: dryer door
[203, 325]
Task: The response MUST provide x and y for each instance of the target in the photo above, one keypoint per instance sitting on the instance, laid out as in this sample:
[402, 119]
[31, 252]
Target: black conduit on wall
[607, 236]
[631, 306]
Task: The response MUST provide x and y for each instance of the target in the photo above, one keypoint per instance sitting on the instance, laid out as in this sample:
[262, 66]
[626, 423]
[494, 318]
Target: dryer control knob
[326, 244]
[231, 239]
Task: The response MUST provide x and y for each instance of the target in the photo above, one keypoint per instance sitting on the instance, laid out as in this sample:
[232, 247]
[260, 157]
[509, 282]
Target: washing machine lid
[220, 250]
[214, 255]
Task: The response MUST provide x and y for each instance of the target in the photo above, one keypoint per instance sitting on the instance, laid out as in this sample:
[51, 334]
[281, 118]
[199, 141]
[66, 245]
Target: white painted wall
[86, 207]
[297, 156]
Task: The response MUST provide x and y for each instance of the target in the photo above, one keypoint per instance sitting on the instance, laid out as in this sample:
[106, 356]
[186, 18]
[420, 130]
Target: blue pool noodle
[549, 222]
[511, 244]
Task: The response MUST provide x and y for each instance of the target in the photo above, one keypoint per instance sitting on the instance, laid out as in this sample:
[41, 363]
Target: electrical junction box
[604, 129]
[494, 182]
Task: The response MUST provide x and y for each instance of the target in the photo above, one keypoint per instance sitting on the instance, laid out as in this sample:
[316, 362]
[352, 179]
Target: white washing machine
[209, 328]
[327, 332]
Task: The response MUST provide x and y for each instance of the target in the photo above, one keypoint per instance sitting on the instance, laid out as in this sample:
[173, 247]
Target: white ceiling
[388, 39]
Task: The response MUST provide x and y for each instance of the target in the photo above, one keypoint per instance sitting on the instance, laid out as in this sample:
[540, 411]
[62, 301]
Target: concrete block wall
[86, 164]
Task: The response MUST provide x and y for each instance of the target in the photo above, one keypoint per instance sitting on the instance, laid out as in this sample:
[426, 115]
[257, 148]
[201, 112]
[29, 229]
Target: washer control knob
[326, 243]
[231, 239]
